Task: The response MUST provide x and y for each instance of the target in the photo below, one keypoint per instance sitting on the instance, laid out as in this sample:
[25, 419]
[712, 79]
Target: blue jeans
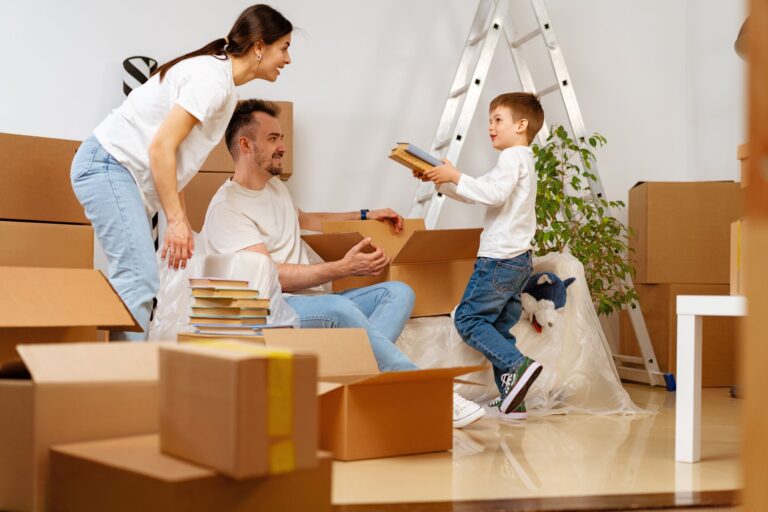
[381, 309]
[490, 306]
[113, 204]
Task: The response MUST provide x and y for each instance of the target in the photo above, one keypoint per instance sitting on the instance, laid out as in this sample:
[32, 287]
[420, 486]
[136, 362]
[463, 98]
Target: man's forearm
[295, 278]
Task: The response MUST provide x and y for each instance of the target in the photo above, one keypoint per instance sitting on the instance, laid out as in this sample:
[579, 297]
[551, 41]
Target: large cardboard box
[682, 231]
[43, 244]
[436, 263]
[35, 180]
[365, 413]
[659, 304]
[198, 194]
[219, 160]
[55, 305]
[73, 392]
[245, 411]
[130, 474]
[737, 279]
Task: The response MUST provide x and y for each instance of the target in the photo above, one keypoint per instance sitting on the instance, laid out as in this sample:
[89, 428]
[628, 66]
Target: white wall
[658, 78]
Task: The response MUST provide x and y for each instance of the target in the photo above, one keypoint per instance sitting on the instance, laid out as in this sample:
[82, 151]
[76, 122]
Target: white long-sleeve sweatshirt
[509, 192]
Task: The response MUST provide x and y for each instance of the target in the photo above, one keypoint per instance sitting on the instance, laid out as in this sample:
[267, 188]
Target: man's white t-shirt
[204, 87]
[239, 217]
[509, 192]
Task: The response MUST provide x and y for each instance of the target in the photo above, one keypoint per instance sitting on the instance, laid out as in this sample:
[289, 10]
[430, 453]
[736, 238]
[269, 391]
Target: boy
[491, 303]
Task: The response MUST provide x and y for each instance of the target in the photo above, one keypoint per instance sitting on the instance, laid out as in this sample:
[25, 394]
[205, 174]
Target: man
[254, 212]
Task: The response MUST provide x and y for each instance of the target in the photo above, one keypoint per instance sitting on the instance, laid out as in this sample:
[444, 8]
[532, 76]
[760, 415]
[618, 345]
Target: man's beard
[275, 170]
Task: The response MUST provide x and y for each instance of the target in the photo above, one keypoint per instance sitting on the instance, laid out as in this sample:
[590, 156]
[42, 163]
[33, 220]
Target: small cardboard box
[659, 304]
[742, 153]
[130, 474]
[436, 263]
[737, 258]
[42, 244]
[198, 194]
[55, 305]
[365, 413]
[73, 392]
[241, 409]
[682, 231]
[35, 180]
[219, 160]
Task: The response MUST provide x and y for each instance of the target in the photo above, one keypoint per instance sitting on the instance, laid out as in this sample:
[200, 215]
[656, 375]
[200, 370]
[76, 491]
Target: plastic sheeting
[579, 375]
[174, 301]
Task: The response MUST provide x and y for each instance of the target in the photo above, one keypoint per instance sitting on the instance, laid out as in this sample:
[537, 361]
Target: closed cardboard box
[43, 244]
[436, 263]
[35, 180]
[130, 474]
[71, 393]
[56, 305]
[682, 231]
[219, 160]
[241, 409]
[659, 304]
[737, 258]
[365, 413]
[198, 194]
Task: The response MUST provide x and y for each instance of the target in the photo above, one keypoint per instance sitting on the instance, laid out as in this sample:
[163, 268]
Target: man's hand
[388, 215]
[445, 173]
[359, 263]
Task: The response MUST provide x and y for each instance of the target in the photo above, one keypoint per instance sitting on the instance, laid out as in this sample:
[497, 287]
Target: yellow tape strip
[282, 453]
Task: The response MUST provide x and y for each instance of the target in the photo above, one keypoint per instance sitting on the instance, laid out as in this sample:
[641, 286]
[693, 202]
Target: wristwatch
[364, 214]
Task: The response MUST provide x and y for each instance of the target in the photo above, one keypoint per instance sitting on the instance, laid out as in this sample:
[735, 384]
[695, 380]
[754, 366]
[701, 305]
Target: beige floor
[559, 456]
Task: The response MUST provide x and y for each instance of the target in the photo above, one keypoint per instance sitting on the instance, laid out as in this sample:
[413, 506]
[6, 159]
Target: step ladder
[492, 23]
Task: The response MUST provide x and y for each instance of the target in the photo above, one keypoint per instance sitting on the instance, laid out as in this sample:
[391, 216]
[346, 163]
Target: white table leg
[688, 399]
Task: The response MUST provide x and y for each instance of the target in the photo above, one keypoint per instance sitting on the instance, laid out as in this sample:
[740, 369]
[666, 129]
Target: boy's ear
[522, 125]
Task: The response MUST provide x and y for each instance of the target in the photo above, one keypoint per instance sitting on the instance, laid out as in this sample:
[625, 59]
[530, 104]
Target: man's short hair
[242, 120]
[523, 105]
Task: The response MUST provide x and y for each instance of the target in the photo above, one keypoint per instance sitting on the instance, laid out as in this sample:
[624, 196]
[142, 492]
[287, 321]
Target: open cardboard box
[54, 305]
[72, 392]
[436, 263]
[46, 244]
[130, 474]
[365, 413]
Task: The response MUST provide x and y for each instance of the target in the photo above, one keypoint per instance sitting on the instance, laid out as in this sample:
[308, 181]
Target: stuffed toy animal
[543, 296]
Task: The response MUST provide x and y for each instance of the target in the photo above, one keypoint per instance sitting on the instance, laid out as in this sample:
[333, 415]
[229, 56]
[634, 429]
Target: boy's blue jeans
[381, 309]
[113, 204]
[490, 306]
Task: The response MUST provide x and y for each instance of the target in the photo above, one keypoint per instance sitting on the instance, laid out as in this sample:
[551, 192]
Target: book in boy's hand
[414, 158]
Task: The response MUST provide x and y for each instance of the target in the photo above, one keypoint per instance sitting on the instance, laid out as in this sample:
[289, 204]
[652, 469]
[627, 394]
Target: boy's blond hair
[523, 105]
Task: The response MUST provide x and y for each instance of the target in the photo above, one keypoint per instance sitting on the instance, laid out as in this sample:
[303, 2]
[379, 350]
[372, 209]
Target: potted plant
[571, 219]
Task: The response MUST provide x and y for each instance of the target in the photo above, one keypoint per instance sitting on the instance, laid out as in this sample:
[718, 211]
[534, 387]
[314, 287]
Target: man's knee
[341, 311]
[401, 293]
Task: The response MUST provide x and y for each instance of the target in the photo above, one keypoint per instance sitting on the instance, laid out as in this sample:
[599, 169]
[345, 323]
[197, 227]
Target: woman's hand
[178, 243]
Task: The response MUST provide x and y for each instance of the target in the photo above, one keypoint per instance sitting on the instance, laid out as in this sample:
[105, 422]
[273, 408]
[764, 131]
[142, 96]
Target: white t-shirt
[509, 192]
[239, 217]
[204, 87]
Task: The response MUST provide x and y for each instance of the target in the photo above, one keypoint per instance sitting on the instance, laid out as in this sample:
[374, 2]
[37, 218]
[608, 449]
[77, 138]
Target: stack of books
[226, 308]
[414, 158]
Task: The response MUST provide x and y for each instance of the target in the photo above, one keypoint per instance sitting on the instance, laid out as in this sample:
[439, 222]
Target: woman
[141, 156]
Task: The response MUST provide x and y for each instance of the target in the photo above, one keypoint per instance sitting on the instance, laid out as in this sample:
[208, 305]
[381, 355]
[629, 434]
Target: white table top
[712, 305]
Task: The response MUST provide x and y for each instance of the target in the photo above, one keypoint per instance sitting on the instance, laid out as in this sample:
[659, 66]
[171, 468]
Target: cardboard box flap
[333, 247]
[424, 375]
[440, 245]
[60, 297]
[339, 351]
[327, 387]
[382, 233]
[90, 362]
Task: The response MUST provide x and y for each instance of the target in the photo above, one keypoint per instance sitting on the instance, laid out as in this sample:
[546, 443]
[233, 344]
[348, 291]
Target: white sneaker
[465, 412]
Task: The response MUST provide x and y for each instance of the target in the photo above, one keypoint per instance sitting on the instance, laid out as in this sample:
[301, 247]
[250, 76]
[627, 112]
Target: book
[195, 337]
[230, 293]
[413, 157]
[227, 320]
[227, 330]
[227, 302]
[233, 312]
[216, 282]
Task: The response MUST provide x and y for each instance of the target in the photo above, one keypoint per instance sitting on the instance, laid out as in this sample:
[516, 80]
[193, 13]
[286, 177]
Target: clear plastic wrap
[579, 374]
[174, 302]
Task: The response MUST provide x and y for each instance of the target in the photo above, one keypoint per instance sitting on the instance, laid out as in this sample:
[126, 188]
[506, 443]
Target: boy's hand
[420, 176]
[445, 173]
